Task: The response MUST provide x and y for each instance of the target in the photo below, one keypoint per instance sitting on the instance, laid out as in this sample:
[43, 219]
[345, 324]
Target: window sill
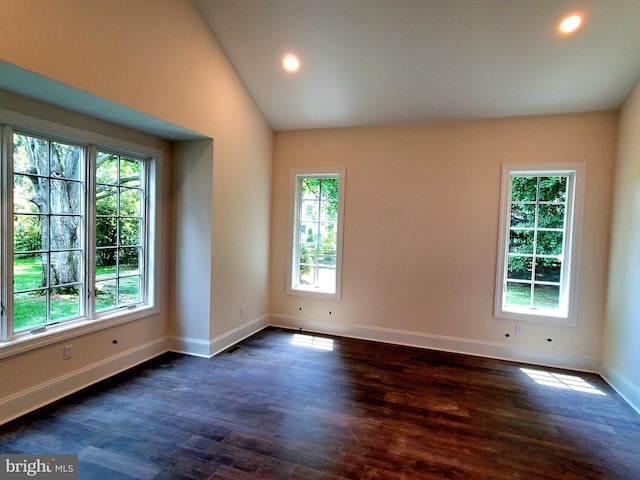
[59, 333]
[536, 316]
[313, 293]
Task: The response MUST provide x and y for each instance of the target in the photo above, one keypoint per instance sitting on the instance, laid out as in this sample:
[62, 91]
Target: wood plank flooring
[281, 405]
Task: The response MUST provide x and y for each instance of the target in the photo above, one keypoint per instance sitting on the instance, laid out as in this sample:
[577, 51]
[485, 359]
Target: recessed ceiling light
[291, 63]
[570, 23]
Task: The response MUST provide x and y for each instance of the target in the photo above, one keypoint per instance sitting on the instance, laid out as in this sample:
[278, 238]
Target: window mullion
[6, 233]
[534, 261]
[90, 235]
[316, 263]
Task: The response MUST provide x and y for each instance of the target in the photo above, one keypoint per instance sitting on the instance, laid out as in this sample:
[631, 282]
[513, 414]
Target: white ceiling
[367, 62]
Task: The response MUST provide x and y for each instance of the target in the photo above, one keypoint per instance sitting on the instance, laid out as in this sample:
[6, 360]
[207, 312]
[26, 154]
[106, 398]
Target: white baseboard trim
[40, 395]
[204, 348]
[189, 346]
[238, 334]
[627, 390]
[438, 342]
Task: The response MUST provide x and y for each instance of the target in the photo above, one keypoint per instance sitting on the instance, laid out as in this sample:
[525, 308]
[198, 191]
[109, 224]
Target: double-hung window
[316, 254]
[538, 251]
[76, 232]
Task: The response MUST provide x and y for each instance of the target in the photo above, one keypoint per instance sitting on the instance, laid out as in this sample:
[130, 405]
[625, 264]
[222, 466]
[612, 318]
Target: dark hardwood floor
[269, 408]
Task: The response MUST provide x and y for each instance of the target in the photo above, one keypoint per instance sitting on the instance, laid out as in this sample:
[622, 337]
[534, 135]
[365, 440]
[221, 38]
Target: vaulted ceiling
[366, 62]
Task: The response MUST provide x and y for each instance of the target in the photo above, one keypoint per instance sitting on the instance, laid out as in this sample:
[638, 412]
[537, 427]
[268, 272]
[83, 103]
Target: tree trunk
[58, 200]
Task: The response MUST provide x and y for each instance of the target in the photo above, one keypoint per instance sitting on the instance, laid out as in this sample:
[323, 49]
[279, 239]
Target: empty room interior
[217, 185]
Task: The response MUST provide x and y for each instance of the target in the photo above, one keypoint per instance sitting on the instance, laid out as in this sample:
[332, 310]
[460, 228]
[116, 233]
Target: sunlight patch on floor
[311, 341]
[559, 380]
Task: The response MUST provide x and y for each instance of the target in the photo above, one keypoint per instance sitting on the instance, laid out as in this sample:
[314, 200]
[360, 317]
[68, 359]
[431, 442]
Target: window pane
[106, 232]
[327, 257]
[65, 161]
[553, 189]
[523, 189]
[27, 233]
[518, 294]
[521, 241]
[523, 215]
[130, 170]
[64, 268]
[546, 296]
[129, 291]
[28, 272]
[129, 261]
[329, 188]
[65, 232]
[29, 310]
[105, 295]
[519, 268]
[551, 216]
[306, 274]
[326, 279]
[549, 243]
[548, 270]
[310, 188]
[65, 196]
[309, 211]
[24, 155]
[30, 194]
[107, 168]
[65, 303]
[106, 200]
[106, 263]
[130, 202]
[129, 231]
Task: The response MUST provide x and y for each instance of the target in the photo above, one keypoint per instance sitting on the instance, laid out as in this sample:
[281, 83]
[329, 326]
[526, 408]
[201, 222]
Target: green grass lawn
[546, 296]
[30, 307]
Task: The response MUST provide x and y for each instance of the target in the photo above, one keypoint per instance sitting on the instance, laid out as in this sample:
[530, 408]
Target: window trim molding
[10, 121]
[292, 239]
[574, 234]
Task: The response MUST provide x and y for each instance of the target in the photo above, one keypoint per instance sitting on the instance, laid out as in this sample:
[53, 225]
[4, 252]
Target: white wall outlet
[68, 352]
[519, 329]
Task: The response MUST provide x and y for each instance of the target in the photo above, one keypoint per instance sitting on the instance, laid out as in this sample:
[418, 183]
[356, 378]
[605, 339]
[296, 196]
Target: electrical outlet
[519, 329]
[68, 352]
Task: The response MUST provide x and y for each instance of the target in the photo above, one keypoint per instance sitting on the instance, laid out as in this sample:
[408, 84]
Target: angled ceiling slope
[370, 62]
[24, 82]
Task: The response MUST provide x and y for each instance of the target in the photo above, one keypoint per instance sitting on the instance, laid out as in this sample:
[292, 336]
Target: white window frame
[294, 223]
[566, 314]
[13, 343]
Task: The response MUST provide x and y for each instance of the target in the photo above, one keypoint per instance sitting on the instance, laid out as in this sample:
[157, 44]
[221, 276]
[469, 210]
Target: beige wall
[621, 354]
[158, 57]
[421, 230]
